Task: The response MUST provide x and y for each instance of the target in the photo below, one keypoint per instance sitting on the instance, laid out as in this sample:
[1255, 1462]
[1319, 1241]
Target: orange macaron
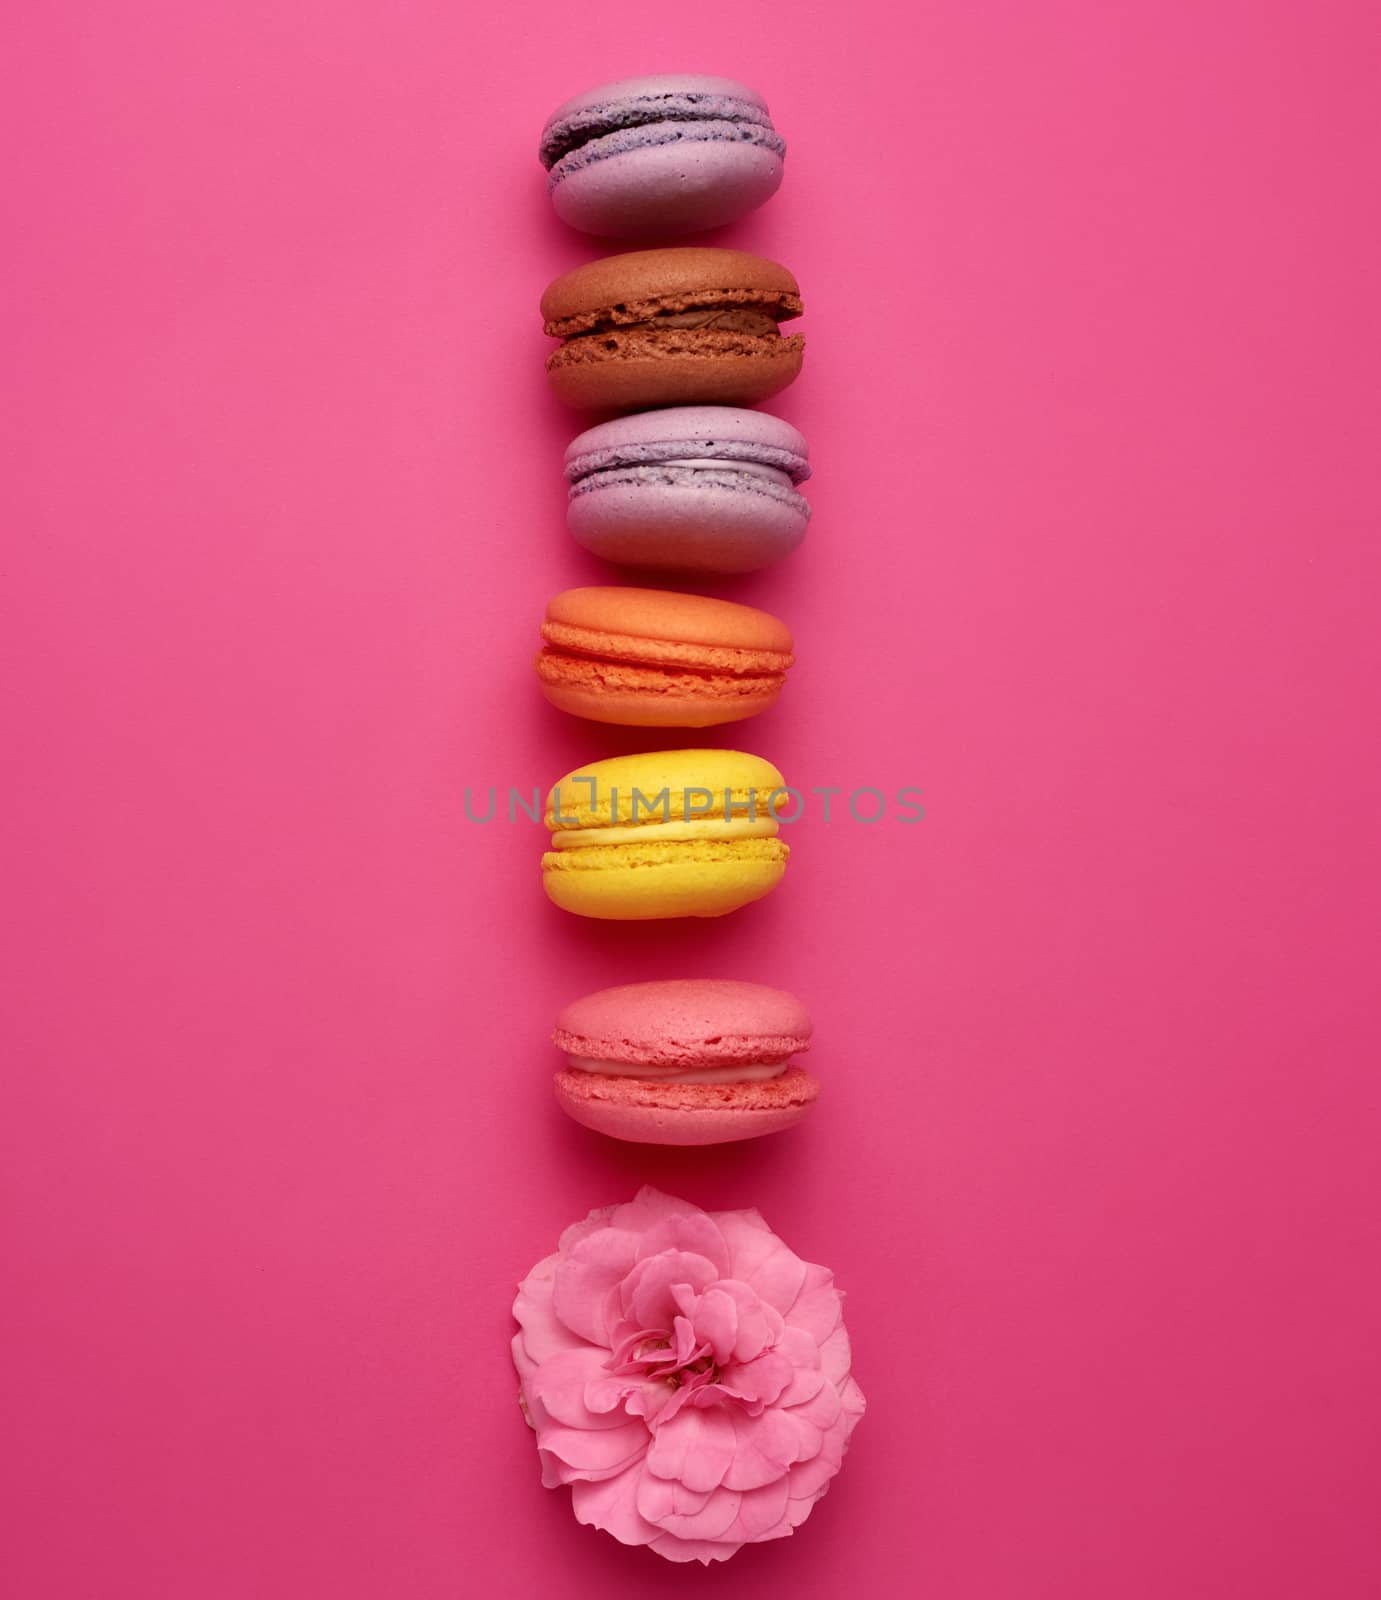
[648, 658]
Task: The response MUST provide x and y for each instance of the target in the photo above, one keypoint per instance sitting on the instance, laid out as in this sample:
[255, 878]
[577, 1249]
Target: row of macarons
[685, 338]
[680, 342]
[685, 1372]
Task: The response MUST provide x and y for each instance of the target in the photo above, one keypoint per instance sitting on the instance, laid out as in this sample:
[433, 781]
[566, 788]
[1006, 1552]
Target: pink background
[1091, 383]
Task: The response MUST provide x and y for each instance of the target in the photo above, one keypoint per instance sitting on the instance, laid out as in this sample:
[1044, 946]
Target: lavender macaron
[661, 156]
[689, 489]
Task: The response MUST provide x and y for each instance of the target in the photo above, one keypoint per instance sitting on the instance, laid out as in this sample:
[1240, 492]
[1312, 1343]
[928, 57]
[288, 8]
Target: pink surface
[1090, 390]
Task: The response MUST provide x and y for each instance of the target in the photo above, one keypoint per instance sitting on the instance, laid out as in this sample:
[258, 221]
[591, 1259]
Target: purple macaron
[689, 489]
[660, 156]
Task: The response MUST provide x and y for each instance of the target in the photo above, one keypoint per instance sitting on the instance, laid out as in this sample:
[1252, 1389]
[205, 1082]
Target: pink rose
[686, 1374]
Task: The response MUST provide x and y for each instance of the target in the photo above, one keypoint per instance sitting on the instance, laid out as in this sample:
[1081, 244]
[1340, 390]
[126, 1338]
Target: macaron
[689, 489]
[661, 156]
[688, 326]
[694, 1061]
[673, 833]
[646, 658]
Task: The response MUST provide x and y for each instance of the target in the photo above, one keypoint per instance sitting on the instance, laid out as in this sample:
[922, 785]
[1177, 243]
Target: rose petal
[742, 1224]
[716, 1321]
[588, 1278]
[760, 1259]
[806, 1383]
[851, 1399]
[650, 1401]
[676, 1399]
[761, 1380]
[778, 1277]
[758, 1324]
[809, 1478]
[836, 1356]
[821, 1410]
[591, 1452]
[522, 1361]
[646, 1209]
[818, 1306]
[712, 1521]
[762, 1513]
[694, 1233]
[701, 1550]
[798, 1510]
[666, 1497]
[798, 1347]
[543, 1334]
[696, 1446]
[560, 1384]
[763, 1449]
[808, 1437]
[608, 1393]
[597, 1219]
[612, 1505]
[646, 1292]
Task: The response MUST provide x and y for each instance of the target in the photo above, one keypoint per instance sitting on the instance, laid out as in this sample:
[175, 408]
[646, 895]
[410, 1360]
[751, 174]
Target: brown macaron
[693, 326]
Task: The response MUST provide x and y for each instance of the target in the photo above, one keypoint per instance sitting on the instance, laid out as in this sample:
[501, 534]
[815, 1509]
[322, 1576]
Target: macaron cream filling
[702, 462]
[703, 455]
[730, 1072]
[678, 832]
[744, 313]
[613, 127]
[765, 483]
[758, 469]
[643, 800]
[627, 140]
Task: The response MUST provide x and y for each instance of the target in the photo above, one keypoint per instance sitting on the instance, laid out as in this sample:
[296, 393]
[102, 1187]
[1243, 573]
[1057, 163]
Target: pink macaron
[692, 1061]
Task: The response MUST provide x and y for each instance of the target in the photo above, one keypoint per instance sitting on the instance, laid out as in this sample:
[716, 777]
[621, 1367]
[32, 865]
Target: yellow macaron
[673, 833]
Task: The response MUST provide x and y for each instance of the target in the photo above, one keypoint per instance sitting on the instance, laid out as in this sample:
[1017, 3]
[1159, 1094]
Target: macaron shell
[632, 883]
[678, 275]
[632, 371]
[679, 1024]
[687, 520]
[648, 697]
[659, 624]
[640, 1112]
[662, 86]
[587, 794]
[678, 432]
[702, 180]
